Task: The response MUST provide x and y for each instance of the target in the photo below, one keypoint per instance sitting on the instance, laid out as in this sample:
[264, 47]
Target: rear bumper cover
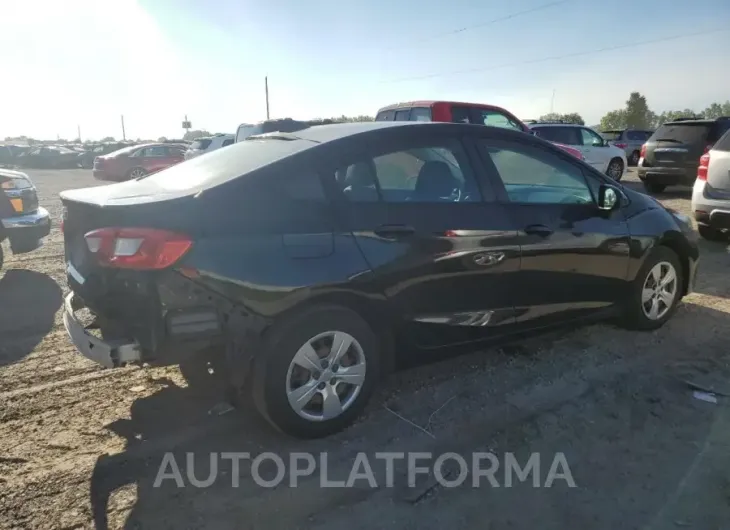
[666, 175]
[26, 231]
[708, 210]
[106, 353]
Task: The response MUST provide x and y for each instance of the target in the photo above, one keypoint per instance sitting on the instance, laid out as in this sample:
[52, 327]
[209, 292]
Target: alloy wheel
[137, 173]
[659, 291]
[326, 376]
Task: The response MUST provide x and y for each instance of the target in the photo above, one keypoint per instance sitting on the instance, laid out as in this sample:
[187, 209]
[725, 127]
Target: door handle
[539, 230]
[394, 230]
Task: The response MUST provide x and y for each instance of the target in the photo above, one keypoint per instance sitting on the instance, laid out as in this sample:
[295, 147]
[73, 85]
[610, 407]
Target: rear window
[611, 136]
[201, 143]
[638, 136]
[386, 115]
[685, 133]
[223, 165]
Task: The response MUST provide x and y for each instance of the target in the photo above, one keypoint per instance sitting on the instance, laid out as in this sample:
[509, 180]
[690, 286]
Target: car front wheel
[317, 372]
[656, 291]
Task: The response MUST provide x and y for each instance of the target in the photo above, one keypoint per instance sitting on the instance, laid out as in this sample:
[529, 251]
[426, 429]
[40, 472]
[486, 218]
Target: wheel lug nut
[316, 375]
[324, 364]
[335, 367]
[321, 386]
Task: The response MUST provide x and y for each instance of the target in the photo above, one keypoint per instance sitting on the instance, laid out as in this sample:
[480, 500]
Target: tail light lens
[642, 153]
[704, 164]
[620, 145]
[137, 248]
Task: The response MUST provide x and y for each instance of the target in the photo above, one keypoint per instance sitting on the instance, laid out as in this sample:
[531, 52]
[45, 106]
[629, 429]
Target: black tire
[711, 234]
[615, 169]
[634, 316]
[654, 187]
[281, 344]
[634, 158]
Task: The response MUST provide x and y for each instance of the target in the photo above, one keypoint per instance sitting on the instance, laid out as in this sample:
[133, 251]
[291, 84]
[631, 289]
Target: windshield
[686, 133]
[244, 131]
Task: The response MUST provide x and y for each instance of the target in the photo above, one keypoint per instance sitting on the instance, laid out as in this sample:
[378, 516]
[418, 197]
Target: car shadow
[29, 301]
[178, 421]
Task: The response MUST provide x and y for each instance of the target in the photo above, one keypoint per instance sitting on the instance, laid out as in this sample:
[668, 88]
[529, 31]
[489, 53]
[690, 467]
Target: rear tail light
[137, 248]
[642, 153]
[702, 169]
[620, 145]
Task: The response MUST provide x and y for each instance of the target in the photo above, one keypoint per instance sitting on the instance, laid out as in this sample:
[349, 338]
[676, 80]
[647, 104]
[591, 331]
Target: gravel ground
[80, 447]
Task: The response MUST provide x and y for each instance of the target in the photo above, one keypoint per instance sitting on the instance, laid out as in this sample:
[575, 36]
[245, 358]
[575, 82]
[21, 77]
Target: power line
[557, 57]
[487, 23]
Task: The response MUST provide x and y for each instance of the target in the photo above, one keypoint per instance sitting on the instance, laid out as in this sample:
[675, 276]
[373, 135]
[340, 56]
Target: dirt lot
[80, 447]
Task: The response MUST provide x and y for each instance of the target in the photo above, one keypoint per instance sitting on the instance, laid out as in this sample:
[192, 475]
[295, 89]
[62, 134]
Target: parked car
[22, 220]
[86, 159]
[672, 154]
[10, 153]
[137, 161]
[48, 157]
[597, 152]
[285, 125]
[630, 140]
[207, 144]
[456, 112]
[711, 192]
[316, 257]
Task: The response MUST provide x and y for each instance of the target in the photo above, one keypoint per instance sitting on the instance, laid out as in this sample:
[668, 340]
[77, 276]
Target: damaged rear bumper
[109, 354]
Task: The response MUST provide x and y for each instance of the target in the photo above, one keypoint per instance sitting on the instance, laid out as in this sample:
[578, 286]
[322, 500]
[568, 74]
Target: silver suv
[711, 192]
[630, 140]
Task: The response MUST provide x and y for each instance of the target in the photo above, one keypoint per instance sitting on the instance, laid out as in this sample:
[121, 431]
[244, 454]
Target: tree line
[637, 115]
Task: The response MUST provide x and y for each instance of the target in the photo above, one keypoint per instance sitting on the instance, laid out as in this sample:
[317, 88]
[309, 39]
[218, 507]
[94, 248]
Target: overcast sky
[86, 62]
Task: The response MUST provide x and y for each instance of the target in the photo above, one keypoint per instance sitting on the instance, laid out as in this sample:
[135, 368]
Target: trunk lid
[678, 145]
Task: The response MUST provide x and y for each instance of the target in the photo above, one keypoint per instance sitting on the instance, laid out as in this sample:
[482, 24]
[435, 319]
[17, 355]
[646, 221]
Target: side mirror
[608, 197]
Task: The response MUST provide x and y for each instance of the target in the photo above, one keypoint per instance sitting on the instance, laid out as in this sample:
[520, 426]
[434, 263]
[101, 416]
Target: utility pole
[124, 134]
[78, 131]
[266, 87]
[552, 102]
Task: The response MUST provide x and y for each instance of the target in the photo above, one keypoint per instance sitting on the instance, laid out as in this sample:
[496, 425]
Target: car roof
[692, 121]
[335, 131]
[429, 103]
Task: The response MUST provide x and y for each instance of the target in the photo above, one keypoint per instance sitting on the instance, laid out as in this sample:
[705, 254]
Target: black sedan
[314, 258]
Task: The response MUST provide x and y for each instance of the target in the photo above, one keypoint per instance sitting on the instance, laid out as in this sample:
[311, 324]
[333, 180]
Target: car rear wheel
[634, 158]
[136, 173]
[615, 169]
[711, 234]
[656, 291]
[654, 187]
[317, 372]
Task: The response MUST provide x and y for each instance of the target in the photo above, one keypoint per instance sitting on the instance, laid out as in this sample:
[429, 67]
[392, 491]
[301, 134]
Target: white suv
[711, 192]
[597, 152]
[207, 144]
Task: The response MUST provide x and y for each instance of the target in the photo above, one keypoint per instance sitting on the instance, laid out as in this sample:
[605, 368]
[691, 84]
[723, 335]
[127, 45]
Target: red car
[455, 112]
[137, 161]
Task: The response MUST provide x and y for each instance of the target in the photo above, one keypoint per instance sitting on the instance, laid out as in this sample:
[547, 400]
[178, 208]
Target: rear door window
[459, 114]
[682, 133]
[420, 114]
[561, 135]
[402, 115]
